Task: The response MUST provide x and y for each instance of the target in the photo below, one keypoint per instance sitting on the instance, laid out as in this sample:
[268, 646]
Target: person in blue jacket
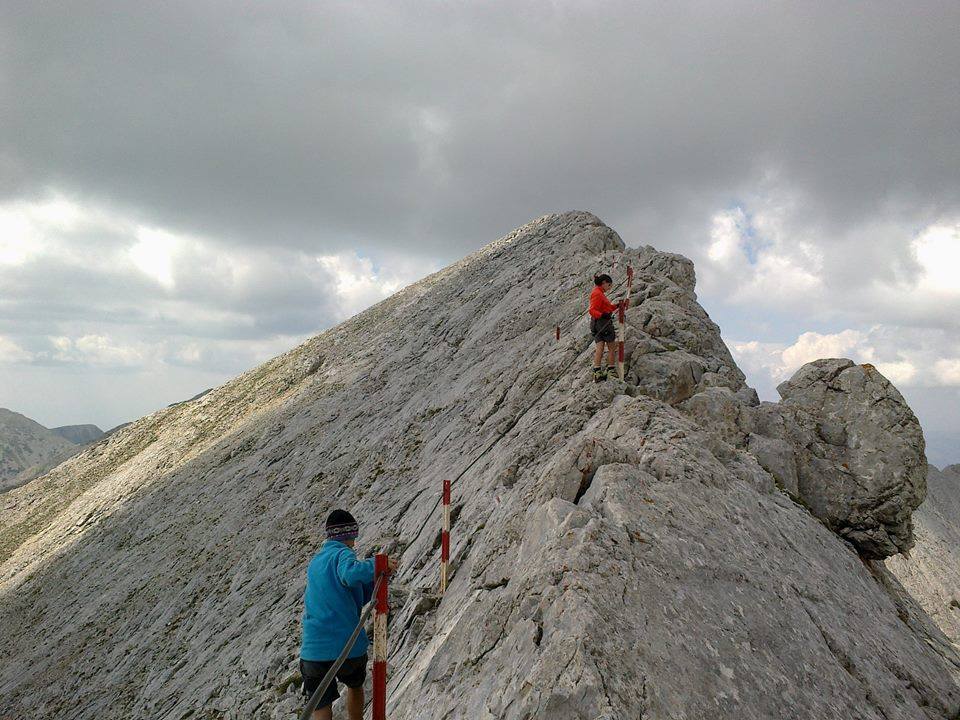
[338, 586]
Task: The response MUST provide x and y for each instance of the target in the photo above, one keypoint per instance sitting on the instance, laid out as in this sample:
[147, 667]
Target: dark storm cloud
[439, 126]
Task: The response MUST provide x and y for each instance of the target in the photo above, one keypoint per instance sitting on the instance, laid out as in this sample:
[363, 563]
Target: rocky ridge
[664, 547]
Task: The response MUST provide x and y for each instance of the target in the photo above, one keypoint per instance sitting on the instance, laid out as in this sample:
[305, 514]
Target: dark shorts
[602, 329]
[352, 674]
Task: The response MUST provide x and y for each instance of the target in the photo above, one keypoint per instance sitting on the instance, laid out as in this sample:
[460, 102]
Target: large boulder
[859, 451]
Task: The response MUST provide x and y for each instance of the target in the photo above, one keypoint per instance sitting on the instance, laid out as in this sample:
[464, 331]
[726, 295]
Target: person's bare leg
[325, 713]
[354, 701]
[612, 359]
[598, 354]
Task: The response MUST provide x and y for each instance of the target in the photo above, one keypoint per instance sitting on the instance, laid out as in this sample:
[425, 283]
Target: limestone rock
[779, 459]
[620, 550]
[864, 471]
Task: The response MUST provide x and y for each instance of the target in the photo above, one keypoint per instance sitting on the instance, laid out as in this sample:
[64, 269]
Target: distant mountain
[26, 445]
[79, 434]
[931, 571]
[28, 449]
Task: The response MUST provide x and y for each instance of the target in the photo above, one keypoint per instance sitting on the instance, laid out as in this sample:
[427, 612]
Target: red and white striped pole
[381, 571]
[621, 313]
[622, 306]
[445, 539]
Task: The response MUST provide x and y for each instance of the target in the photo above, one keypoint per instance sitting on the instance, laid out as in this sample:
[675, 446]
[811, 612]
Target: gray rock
[779, 459]
[619, 551]
[864, 474]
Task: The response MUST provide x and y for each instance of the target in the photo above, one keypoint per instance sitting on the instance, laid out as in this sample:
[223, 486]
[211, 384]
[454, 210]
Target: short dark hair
[601, 279]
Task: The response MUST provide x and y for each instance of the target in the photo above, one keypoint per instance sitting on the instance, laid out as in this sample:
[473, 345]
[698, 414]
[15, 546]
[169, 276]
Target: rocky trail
[662, 547]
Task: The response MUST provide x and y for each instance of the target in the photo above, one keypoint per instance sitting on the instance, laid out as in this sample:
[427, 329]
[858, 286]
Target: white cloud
[899, 373]
[727, 231]
[96, 350]
[357, 284]
[813, 346]
[770, 253]
[937, 250]
[11, 352]
[907, 357]
[947, 371]
[30, 229]
[154, 254]
[752, 258]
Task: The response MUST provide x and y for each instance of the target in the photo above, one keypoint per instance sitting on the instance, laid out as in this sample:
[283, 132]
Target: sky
[187, 189]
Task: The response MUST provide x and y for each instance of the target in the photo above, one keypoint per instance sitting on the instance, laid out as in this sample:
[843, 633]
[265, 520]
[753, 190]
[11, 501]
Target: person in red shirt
[601, 326]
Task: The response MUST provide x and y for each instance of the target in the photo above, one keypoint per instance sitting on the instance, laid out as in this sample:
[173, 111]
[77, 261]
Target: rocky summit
[665, 547]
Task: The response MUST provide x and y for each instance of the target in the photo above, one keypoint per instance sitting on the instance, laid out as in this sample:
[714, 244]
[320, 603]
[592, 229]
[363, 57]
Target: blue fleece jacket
[338, 586]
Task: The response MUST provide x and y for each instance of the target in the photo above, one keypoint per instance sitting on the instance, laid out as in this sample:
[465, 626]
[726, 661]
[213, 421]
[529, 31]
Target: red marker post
[445, 539]
[621, 317]
[380, 610]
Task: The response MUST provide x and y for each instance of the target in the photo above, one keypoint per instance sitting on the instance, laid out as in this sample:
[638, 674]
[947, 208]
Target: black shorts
[352, 674]
[602, 328]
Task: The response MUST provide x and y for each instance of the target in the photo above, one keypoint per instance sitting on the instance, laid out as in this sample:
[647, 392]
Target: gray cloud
[438, 126]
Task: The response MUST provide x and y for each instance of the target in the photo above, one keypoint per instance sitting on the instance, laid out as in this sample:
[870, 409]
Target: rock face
[859, 453]
[932, 571]
[619, 550]
[842, 441]
[25, 444]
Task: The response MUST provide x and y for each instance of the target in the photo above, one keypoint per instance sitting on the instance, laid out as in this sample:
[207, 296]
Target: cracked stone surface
[637, 549]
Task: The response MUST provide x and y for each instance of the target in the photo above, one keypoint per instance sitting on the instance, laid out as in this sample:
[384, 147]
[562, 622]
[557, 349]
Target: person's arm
[606, 306]
[353, 572]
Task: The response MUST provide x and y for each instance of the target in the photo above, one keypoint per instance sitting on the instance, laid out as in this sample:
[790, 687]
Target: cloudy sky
[189, 188]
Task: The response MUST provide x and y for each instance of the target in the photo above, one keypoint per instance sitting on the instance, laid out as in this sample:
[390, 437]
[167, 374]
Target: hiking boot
[599, 375]
[610, 373]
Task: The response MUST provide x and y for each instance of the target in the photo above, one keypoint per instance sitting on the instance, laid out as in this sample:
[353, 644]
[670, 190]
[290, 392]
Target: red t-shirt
[599, 303]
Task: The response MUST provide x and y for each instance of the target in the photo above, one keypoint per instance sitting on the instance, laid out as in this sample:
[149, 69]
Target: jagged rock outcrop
[619, 550]
[859, 452]
[842, 441]
[931, 571]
